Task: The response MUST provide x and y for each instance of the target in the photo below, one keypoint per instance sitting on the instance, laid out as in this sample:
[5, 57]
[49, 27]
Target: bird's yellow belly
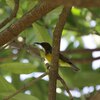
[48, 58]
[61, 63]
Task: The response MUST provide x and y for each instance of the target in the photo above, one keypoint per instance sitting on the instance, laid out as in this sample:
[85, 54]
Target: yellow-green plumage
[63, 61]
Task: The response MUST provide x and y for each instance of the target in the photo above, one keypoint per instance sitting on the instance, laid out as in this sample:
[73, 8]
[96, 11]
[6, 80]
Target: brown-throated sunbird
[63, 61]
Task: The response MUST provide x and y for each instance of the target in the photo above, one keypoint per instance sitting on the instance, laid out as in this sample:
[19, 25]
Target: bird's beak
[36, 43]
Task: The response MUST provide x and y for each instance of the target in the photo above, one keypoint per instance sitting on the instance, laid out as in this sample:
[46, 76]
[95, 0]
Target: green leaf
[51, 17]
[10, 3]
[22, 96]
[80, 79]
[5, 86]
[19, 96]
[7, 89]
[87, 79]
[18, 67]
[41, 33]
[62, 97]
[76, 11]
[29, 35]
[39, 88]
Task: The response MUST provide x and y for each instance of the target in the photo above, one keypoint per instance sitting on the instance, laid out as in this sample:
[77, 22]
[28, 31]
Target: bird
[63, 61]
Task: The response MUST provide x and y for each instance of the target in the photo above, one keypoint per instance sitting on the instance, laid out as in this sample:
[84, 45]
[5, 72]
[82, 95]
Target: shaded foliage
[17, 59]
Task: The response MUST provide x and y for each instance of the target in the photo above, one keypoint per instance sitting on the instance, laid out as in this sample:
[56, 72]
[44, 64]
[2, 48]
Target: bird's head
[47, 47]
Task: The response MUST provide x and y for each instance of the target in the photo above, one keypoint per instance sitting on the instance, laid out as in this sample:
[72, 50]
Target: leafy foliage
[16, 60]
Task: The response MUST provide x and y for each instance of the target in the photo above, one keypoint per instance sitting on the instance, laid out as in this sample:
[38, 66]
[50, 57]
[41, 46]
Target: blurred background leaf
[20, 62]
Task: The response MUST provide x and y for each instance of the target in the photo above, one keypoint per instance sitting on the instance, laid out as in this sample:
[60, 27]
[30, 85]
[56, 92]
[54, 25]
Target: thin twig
[85, 60]
[13, 14]
[25, 87]
[65, 86]
[81, 51]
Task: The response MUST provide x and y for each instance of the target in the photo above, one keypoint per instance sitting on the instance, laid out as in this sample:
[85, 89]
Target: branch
[13, 14]
[65, 86]
[80, 51]
[53, 71]
[30, 17]
[87, 3]
[35, 14]
[25, 87]
[85, 60]
[96, 96]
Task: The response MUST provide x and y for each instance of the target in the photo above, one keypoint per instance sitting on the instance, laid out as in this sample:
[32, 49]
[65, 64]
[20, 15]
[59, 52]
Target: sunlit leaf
[76, 11]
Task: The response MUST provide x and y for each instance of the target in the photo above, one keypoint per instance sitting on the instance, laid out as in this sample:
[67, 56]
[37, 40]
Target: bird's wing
[67, 60]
